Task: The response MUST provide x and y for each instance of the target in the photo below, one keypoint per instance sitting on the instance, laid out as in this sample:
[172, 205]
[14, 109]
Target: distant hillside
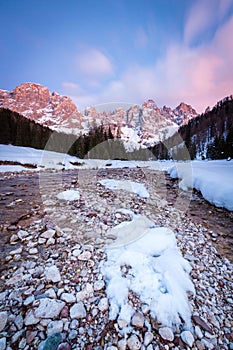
[209, 135]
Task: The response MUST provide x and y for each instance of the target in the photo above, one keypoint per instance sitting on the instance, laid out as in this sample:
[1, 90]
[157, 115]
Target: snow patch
[212, 178]
[154, 270]
[69, 195]
[126, 185]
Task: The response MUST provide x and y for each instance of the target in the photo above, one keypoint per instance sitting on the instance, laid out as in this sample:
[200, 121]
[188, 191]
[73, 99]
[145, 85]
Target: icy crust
[212, 178]
[69, 195]
[153, 268]
[129, 186]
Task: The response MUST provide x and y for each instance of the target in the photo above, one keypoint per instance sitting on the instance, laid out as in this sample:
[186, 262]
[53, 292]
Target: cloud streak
[198, 75]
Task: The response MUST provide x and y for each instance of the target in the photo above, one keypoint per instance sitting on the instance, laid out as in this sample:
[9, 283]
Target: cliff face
[35, 102]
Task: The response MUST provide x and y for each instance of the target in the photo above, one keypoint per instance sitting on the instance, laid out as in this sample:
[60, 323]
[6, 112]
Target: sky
[103, 51]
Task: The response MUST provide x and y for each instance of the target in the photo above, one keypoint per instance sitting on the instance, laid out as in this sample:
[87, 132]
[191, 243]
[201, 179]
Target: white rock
[3, 320]
[69, 298]
[29, 300]
[138, 320]
[48, 234]
[166, 333]
[78, 311]
[16, 251]
[18, 321]
[187, 338]
[2, 343]
[15, 279]
[52, 274]
[50, 241]
[103, 304]
[51, 293]
[49, 308]
[134, 343]
[198, 332]
[30, 318]
[86, 255]
[148, 338]
[54, 327]
[207, 344]
[33, 251]
[41, 240]
[76, 252]
[22, 234]
[122, 344]
[98, 285]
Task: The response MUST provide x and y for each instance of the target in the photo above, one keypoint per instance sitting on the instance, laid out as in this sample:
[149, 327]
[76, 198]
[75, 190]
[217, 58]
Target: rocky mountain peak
[35, 102]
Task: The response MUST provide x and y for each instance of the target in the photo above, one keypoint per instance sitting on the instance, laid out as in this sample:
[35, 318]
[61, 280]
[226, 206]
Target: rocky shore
[53, 295]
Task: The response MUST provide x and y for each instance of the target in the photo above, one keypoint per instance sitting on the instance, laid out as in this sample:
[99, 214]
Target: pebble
[86, 255]
[2, 343]
[64, 346]
[137, 320]
[98, 285]
[42, 308]
[3, 320]
[52, 274]
[54, 327]
[49, 308]
[78, 311]
[133, 342]
[166, 333]
[187, 338]
[148, 338]
[69, 298]
[103, 304]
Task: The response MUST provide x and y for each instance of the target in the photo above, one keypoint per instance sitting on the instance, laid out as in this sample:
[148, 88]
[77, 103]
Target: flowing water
[21, 203]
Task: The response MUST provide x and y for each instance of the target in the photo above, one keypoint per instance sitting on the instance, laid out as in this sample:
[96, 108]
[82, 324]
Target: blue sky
[101, 51]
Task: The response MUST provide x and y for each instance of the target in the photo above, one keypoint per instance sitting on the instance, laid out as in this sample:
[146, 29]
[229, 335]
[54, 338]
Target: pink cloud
[93, 63]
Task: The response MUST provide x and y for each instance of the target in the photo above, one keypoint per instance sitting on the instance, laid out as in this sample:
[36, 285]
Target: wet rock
[52, 274]
[137, 320]
[3, 320]
[51, 343]
[78, 311]
[187, 338]
[166, 333]
[134, 343]
[49, 308]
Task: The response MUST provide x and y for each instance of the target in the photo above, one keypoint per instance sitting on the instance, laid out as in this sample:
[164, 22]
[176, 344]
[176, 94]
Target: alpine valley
[31, 115]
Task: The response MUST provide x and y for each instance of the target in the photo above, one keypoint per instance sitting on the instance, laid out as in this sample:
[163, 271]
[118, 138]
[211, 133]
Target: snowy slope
[212, 178]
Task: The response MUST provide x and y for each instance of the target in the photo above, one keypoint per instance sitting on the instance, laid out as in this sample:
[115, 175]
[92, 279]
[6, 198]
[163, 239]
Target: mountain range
[30, 115]
[146, 124]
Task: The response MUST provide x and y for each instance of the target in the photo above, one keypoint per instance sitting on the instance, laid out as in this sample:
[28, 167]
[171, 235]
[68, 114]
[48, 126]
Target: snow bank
[152, 267]
[212, 178]
[125, 185]
[69, 195]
